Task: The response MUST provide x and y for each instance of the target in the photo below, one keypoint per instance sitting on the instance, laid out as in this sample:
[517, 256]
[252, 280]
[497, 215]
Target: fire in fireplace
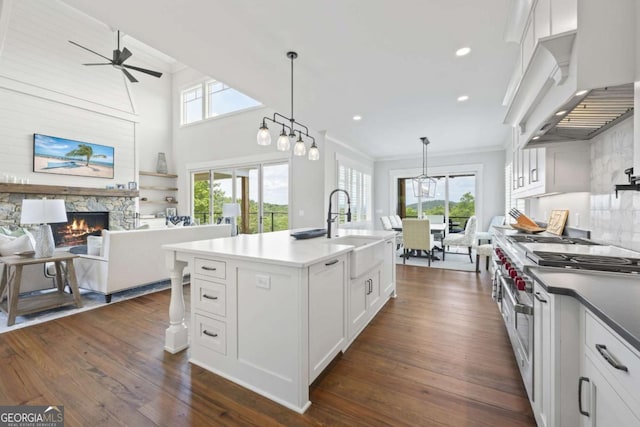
[79, 225]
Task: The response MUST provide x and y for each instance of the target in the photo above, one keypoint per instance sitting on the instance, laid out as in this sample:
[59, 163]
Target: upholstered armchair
[416, 235]
[466, 239]
[488, 235]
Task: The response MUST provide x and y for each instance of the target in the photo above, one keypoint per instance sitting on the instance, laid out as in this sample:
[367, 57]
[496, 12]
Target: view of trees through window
[209, 197]
[461, 200]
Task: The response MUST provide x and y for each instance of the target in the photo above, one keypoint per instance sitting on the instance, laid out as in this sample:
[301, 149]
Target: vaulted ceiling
[392, 62]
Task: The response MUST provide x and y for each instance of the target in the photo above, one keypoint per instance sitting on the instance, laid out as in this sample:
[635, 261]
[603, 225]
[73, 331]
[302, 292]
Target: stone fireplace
[79, 225]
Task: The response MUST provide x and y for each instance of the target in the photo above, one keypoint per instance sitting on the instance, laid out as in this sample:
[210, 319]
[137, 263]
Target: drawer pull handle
[335, 261]
[539, 298]
[204, 267]
[580, 381]
[602, 349]
[207, 296]
[211, 334]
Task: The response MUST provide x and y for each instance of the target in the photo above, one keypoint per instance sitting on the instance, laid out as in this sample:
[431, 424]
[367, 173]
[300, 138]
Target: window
[358, 185]
[212, 99]
[221, 99]
[192, 105]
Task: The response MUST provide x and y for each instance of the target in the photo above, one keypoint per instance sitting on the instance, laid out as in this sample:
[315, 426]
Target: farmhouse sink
[368, 252]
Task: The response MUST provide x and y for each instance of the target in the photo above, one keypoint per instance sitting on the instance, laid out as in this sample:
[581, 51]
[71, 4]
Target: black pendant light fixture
[423, 185]
[289, 130]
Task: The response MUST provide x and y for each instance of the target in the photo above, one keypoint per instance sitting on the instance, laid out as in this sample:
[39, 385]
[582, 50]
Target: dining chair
[387, 225]
[416, 236]
[488, 235]
[466, 239]
[395, 220]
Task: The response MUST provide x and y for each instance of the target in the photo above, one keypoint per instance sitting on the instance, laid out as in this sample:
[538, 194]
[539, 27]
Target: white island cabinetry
[270, 312]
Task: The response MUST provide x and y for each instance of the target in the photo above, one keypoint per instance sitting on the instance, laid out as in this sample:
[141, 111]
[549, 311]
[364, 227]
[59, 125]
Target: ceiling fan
[119, 56]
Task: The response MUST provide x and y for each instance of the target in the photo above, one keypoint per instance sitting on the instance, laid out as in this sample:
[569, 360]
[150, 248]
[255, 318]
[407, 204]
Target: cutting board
[557, 220]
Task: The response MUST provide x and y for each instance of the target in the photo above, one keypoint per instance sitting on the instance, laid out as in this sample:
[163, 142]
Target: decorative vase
[161, 166]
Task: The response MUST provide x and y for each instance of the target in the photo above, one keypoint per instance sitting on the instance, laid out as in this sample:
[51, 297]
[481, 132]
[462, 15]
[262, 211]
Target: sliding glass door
[261, 190]
[455, 199]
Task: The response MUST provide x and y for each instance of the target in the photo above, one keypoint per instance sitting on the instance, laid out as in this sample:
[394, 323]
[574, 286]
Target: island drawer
[614, 356]
[209, 296]
[210, 333]
[209, 267]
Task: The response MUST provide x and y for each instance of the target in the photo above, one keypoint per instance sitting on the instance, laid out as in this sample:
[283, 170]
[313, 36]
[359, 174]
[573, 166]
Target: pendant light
[283, 143]
[423, 185]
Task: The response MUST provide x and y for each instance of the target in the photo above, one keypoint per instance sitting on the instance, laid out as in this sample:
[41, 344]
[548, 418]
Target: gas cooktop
[586, 262]
[532, 238]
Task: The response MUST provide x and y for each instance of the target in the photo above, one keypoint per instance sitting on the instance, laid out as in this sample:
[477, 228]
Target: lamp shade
[230, 210]
[43, 211]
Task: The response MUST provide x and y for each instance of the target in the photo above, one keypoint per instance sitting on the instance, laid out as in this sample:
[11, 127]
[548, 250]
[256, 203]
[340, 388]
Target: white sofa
[129, 259]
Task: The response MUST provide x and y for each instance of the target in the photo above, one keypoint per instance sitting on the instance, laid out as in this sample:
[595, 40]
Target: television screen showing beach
[68, 157]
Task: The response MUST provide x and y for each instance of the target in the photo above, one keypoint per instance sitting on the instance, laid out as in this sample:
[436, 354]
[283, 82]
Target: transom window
[218, 99]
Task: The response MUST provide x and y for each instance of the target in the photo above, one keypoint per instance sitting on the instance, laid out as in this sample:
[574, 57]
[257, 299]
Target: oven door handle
[517, 307]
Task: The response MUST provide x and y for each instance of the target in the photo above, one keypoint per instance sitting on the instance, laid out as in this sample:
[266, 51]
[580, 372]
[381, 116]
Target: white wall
[44, 88]
[232, 138]
[490, 182]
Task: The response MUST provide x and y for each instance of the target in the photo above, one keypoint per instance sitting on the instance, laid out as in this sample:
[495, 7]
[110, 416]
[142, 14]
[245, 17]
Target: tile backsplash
[614, 220]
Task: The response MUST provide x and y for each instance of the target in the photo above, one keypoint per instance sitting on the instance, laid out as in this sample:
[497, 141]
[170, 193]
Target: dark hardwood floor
[436, 355]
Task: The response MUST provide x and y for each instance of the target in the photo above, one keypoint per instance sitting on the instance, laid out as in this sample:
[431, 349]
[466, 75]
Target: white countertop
[275, 248]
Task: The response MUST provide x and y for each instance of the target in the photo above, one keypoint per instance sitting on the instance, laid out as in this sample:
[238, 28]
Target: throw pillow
[20, 244]
[12, 231]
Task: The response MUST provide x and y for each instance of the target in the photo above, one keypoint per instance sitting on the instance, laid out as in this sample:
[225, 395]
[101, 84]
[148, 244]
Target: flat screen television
[61, 156]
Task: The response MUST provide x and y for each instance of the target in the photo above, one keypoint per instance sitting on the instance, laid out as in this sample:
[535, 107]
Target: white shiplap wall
[44, 88]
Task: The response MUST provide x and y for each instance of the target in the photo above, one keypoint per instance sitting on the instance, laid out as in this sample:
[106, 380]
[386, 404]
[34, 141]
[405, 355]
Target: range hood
[586, 115]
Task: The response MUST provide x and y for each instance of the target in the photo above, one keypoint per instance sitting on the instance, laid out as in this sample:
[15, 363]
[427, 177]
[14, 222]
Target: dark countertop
[613, 297]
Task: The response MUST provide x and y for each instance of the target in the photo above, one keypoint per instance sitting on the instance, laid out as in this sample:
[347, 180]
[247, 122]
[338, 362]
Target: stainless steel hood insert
[586, 116]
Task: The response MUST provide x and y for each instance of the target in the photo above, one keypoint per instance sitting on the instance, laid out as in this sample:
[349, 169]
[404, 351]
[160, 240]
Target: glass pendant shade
[314, 153]
[424, 186]
[283, 142]
[264, 137]
[299, 149]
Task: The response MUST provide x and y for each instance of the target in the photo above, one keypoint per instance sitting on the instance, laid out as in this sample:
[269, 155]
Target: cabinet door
[599, 399]
[388, 268]
[542, 371]
[373, 293]
[327, 327]
[357, 305]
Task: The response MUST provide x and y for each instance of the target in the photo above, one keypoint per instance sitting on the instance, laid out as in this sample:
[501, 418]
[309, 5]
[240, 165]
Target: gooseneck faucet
[329, 219]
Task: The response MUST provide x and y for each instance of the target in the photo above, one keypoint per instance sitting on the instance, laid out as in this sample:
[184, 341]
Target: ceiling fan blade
[99, 63]
[124, 55]
[129, 76]
[144, 70]
[92, 51]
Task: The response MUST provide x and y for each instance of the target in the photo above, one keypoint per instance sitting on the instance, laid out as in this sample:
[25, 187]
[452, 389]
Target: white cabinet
[388, 278]
[556, 346]
[557, 168]
[543, 361]
[364, 300]
[327, 300]
[564, 16]
[609, 387]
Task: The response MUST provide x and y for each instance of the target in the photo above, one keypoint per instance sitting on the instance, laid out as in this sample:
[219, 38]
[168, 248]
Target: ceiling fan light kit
[117, 61]
[290, 125]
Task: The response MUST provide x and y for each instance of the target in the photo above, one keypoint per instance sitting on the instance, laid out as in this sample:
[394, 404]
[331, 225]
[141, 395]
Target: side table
[12, 278]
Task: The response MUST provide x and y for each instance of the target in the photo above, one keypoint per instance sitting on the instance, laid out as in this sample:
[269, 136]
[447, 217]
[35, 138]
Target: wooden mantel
[63, 190]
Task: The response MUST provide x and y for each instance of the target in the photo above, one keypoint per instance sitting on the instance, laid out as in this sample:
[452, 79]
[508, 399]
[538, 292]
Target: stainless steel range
[513, 288]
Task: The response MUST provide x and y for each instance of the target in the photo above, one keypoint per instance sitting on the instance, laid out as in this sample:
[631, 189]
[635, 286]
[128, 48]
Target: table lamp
[43, 212]
[231, 211]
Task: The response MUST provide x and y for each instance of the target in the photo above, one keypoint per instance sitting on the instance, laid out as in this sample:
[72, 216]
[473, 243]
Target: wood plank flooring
[436, 355]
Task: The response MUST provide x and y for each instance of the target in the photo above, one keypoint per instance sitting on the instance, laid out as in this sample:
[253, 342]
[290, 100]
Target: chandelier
[423, 185]
[289, 130]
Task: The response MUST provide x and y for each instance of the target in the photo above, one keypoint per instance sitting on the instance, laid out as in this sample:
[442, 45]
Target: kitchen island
[270, 312]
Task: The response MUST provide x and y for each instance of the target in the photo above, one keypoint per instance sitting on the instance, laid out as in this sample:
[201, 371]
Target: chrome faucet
[329, 219]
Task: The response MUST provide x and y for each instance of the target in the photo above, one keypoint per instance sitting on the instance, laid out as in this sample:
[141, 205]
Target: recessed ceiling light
[536, 137]
[463, 98]
[581, 92]
[463, 51]
[560, 113]
[357, 117]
